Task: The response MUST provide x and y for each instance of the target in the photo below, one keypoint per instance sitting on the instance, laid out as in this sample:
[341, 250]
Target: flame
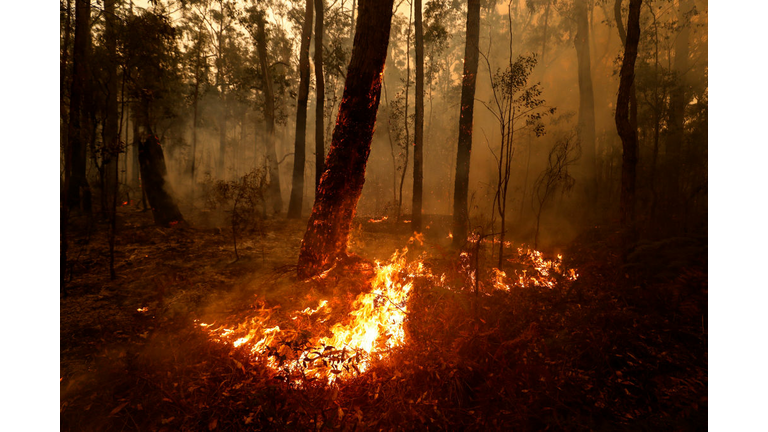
[372, 220]
[374, 326]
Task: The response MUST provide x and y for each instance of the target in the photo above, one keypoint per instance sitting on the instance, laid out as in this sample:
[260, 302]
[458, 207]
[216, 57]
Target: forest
[383, 215]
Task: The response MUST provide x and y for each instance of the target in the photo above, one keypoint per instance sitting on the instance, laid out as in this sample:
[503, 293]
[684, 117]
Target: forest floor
[623, 347]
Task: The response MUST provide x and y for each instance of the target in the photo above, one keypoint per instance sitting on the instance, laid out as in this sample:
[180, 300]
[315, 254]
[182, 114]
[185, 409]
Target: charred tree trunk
[299, 152]
[111, 140]
[623, 37]
[320, 94]
[418, 148]
[626, 131]
[78, 131]
[275, 195]
[461, 189]
[677, 103]
[586, 101]
[153, 174]
[342, 182]
[222, 97]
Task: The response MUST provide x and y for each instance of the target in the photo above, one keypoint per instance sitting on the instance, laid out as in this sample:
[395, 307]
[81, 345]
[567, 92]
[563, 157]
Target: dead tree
[153, 173]
[342, 182]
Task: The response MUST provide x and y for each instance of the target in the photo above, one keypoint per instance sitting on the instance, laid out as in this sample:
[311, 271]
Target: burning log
[342, 182]
[153, 173]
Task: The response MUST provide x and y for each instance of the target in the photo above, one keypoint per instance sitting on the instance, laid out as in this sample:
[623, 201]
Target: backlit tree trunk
[586, 101]
[153, 174]
[342, 182]
[320, 94]
[299, 155]
[677, 103]
[418, 149]
[461, 189]
[275, 196]
[627, 132]
[111, 140]
[623, 37]
[78, 131]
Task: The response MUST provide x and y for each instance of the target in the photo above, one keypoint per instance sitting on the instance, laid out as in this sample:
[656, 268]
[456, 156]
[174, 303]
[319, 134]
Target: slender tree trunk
[63, 73]
[461, 189]
[153, 175]
[418, 149]
[64, 191]
[195, 98]
[586, 102]
[627, 133]
[320, 94]
[544, 37]
[299, 152]
[340, 187]
[623, 37]
[111, 140]
[135, 170]
[677, 102]
[222, 98]
[269, 116]
[405, 116]
[78, 131]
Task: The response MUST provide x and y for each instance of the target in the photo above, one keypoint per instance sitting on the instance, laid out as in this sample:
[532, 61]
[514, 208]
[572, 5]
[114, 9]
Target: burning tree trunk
[299, 155]
[153, 173]
[627, 133]
[269, 116]
[461, 189]
[320, 93]
[342, 182]
[418, 149]
[586, 101]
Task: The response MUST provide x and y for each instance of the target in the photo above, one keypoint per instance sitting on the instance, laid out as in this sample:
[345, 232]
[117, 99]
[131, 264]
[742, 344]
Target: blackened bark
[320, 94]
[677, 102]
[153, 173]
[111, 140]
[461, 189]
[418, 149]
[342, 182]
[626, 131]
[299, 152]
[275, 195]
[623, 37]
[77, 135]
[586, 100]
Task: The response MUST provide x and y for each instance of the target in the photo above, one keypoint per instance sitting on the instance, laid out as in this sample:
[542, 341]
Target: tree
[586, 122]
[461, 189]
[299, 152]
[153, 174]
[111, 135]
[78, 130]
[627, 132]
[418, 149]
[320, 93]
[342, 182]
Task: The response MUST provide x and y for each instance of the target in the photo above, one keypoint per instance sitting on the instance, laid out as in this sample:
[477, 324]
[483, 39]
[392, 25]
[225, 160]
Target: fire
[305, 348]
[372, 220]
[374, 328]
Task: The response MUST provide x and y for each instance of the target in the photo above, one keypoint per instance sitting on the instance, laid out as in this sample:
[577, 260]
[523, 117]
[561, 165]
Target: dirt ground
[623, 347]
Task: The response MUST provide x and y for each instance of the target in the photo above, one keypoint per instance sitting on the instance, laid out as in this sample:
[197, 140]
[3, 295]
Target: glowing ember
[378, 220]
[142, 310]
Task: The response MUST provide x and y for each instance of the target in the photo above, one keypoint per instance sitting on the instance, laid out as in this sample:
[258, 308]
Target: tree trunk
[677, 103]
[627, 133]
[461, 189]
[299, 152]
[195, 98]
[340, 187]
[111, 140]
[320, 94]
[623, 37]
[586, 102]
[418, 149]
[78, 132]
[222, 98]
[153, 174]
[275, 195]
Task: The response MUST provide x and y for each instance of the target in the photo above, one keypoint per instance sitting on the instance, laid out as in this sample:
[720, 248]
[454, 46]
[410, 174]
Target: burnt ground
[622, 348]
